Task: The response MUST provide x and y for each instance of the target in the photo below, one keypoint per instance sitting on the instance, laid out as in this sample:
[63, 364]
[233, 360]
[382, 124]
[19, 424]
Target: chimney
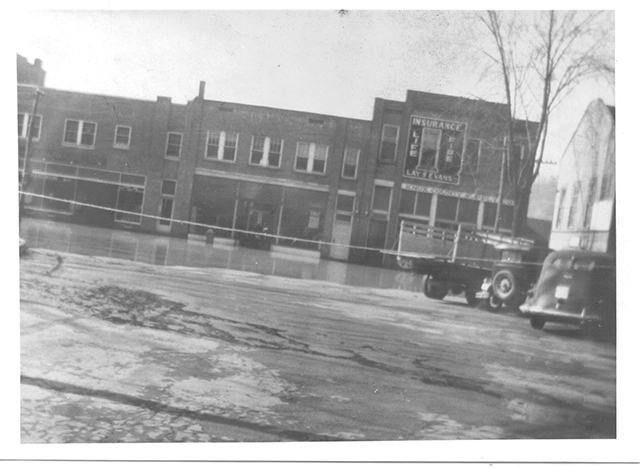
[201, 92]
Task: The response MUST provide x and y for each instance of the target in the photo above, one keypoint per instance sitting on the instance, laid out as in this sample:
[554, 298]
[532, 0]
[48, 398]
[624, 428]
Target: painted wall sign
[435, 150]
[451, 193]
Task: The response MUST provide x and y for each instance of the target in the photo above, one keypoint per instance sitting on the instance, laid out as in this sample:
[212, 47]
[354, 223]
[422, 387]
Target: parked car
[575, 287]
[512, 276]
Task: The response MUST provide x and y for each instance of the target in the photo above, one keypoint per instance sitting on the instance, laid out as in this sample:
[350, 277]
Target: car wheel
[537, 322]
[504, 285]
[434, 289]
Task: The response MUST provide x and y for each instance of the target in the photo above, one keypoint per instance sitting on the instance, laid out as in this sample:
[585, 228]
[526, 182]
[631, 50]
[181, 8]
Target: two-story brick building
[333, 185]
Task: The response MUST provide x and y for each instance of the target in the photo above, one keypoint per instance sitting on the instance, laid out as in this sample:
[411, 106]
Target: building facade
[584, 213]
[337, 186]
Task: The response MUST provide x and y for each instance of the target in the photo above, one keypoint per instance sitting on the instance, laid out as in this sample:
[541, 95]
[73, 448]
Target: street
[119, 351]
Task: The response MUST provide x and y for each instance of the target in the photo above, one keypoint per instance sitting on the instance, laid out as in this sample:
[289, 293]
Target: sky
[320, 61]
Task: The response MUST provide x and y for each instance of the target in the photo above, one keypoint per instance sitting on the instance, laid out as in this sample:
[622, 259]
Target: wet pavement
[120, 351]
[162, 250]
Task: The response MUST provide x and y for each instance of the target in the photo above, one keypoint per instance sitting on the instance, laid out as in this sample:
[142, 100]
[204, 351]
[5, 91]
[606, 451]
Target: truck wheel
[537, 322]
[405, 263]
[434, 289]
[504, 285]
[492, 304]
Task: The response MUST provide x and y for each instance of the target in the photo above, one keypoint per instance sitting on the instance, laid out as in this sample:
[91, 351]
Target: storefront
[86, 195]
[231, 207]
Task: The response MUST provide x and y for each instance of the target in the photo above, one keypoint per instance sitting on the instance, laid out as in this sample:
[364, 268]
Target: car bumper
[558, 315]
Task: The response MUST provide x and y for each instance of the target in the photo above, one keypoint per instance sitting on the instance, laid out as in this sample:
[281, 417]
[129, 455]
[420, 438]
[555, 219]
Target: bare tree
[541, 57]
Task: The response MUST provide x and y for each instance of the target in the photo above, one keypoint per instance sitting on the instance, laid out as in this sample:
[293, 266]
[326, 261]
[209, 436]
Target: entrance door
[166, 212]
[376, 240]
[340, 240]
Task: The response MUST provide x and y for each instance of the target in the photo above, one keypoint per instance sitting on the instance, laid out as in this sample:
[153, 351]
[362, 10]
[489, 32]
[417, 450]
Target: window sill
[264, 167]
[70, 145]
[172, 158]
[216, 160]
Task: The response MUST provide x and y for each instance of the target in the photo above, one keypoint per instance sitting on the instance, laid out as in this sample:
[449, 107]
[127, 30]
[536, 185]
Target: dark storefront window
[61, 189]
[129, 204]
[303, 216]
[490, 213]
[468, 211]
[415, 203]
[447, 207]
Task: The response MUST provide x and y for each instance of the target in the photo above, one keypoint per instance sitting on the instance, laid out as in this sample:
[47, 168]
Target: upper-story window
[389, 142]
[174, 145]
[23, 126]
[80, 133]
[350, 163]
[122, 137]
[221, 146]
[311, 157]
[266, 151]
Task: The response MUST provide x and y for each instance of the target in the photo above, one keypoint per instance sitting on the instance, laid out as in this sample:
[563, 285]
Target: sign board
[435, 150]
[452, 193]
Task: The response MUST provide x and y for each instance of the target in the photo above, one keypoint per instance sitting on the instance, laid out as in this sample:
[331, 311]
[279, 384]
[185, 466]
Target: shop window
[350, 163]
[311, 157]
[446, 208]
[80, 133]
[59, 189]
[468, 211]
[389, 142]
[472, 155]
[174, 144]
[129, 204]
[266, 152]
[415, 203]
[122, 138]
[490, 213]
[23, 126]
[381, 199]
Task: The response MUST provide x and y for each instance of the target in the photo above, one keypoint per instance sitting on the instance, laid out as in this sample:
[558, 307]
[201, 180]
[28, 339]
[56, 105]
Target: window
[490, 213]
[381, 198]
[80, 133]
[472, 155]
[122, 137]
[573, 208]
[389, 142]
[129, 204]
[311, 157]
[350, 163]
[221, 146]
[23, 126]
[344, 207]
[560, 209]
[266, 152]
[415, 203]
[169, 187]
[174, 144]
[430, 148]
[459, 210]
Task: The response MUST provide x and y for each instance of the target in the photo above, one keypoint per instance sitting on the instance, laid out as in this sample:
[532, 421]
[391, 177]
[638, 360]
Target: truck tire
[434, 289]
[470, 295]
[504, 285]
[492, 304]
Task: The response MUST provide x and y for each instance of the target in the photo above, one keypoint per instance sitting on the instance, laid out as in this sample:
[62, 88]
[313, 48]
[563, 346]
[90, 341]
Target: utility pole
[25, 164]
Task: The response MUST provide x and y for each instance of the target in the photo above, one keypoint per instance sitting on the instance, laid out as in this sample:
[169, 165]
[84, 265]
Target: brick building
[336, 186]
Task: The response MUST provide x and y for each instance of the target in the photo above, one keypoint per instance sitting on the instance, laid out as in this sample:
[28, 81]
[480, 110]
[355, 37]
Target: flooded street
[160, 250]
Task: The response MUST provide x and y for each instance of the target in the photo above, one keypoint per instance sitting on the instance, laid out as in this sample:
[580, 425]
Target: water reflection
[161, 250]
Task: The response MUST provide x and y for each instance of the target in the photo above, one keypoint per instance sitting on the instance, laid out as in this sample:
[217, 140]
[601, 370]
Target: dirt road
[114, 351]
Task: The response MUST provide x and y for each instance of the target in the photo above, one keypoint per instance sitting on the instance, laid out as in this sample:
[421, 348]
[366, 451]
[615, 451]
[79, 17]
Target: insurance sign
[435, 150]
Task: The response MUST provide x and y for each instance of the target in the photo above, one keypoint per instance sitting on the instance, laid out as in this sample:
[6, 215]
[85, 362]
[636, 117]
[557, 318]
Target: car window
[584, 264]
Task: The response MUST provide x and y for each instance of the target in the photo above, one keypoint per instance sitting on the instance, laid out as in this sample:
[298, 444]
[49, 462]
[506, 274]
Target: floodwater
[162, 250]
